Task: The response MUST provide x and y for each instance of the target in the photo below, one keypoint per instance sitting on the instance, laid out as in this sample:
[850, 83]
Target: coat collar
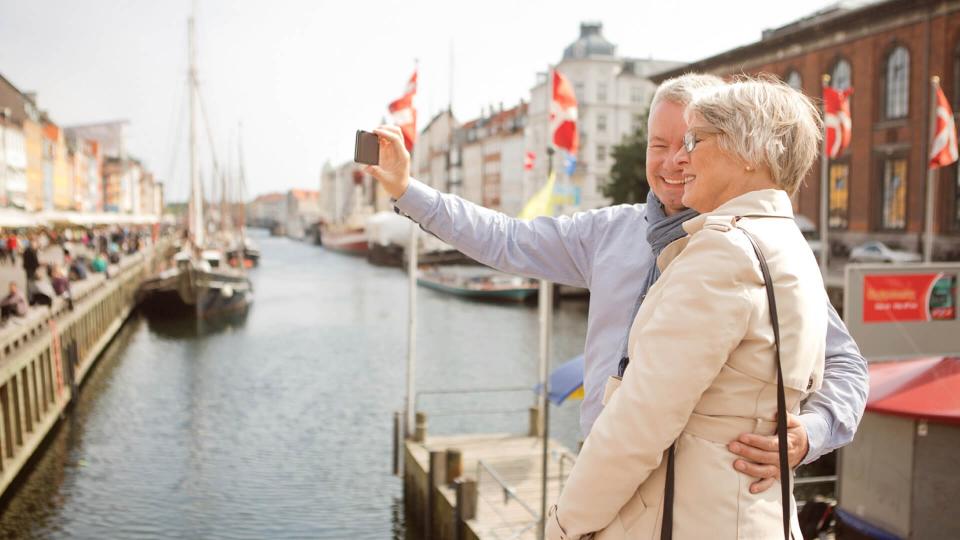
[759, 203]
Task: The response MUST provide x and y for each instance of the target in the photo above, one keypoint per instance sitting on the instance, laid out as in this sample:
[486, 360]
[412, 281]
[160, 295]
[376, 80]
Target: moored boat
[478, 283]
[352, 241]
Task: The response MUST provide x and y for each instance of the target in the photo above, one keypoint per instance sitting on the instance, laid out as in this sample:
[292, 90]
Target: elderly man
[612, 251]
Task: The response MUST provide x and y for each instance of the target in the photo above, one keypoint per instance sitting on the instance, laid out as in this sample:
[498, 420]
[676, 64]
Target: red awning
[926, 388]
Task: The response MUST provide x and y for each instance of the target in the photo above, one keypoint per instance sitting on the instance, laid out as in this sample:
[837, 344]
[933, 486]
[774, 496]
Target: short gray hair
[764, 122]
[681, 89]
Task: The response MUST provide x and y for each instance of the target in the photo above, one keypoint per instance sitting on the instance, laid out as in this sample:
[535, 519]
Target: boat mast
[196, 224]
[242, 187]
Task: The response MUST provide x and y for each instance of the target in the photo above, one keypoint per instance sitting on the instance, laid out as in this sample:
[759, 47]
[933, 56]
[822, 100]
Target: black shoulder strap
[666, 529]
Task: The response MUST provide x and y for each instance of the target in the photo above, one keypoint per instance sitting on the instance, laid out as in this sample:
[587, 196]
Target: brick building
[887, 51]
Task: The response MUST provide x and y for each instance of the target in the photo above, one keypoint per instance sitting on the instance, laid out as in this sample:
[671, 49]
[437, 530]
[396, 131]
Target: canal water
[280, 425]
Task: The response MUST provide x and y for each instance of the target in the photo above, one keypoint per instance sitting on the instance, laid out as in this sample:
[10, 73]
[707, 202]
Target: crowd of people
[52, 259]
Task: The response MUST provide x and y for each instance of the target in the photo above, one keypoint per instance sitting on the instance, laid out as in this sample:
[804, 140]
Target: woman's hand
[393, 172]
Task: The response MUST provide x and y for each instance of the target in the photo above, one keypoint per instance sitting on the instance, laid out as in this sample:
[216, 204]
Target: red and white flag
[836, 119]
[563, 115]
[529, 159]
[944, 146]
[404, 114]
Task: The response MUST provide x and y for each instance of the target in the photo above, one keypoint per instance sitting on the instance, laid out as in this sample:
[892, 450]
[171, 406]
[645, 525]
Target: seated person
[40, 293]
[78, 269]
[60, 283]
[14, 303]
[99, 264]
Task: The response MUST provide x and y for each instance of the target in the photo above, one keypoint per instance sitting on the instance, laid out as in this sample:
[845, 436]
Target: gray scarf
[661, 231]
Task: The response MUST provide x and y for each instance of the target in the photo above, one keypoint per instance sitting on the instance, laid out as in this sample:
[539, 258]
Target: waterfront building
[349, 194]
[491, 149]
[86, 162]
[303, 212]
[433, 163]
[267, 210]
[22, 129]
[613, 94]
[887, 51]
[13, 162]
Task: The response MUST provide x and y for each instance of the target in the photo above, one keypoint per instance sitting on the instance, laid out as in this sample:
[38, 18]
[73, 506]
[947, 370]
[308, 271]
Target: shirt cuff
[817, 431]
[417, 201]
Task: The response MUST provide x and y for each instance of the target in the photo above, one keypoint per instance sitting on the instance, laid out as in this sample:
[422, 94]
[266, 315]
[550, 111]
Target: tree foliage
[627, 182]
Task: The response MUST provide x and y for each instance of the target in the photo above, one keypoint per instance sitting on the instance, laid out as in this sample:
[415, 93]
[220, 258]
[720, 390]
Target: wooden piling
[420, 428]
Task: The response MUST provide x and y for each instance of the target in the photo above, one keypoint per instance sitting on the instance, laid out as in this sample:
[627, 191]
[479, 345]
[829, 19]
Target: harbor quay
[46, 356]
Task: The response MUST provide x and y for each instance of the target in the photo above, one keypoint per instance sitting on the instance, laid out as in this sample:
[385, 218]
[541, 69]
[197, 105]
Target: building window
[636, 94]
[578, 90]
[839, 195]
[841, 77]
[601, 123]
[601, 92]
[601, 153]
[793, 79]
[897, 83]
[895, 194]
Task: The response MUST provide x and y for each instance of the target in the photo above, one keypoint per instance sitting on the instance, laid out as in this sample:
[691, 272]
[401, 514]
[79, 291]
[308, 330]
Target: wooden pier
[479, 487]
[45, 356]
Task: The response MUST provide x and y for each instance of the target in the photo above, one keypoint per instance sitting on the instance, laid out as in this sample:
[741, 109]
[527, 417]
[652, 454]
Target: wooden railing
[45, 356]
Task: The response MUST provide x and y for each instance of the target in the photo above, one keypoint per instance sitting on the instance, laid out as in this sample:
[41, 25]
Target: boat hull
[495, 295]
[196, 293]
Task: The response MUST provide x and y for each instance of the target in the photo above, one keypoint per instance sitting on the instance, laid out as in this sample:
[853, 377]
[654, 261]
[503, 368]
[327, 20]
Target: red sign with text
[909, 298]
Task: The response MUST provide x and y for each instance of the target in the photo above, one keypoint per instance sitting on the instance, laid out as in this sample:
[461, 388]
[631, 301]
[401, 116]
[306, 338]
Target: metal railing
[509, 494]
[466, 391]
[564, 461]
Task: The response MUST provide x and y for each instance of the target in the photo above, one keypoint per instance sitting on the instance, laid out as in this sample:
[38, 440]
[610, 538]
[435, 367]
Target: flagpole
[825, 193]
[412, 255]
[545, 306]
[928, 237]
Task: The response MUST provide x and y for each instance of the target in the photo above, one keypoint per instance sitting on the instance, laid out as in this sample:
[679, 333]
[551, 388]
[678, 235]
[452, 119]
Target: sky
[294, 79]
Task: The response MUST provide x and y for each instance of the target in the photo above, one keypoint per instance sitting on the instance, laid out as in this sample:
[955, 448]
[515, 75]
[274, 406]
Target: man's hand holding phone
[393, 169]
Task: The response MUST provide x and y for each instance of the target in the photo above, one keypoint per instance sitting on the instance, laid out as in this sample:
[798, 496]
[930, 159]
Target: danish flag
[528, 160]
[563, 115]
[944, 146]
[404, 114]
[836, 119]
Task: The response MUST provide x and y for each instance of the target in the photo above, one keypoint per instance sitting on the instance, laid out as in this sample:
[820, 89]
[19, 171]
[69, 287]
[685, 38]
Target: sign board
[904, 310]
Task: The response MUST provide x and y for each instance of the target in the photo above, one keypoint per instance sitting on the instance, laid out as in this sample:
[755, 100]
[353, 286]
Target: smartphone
[367, 148]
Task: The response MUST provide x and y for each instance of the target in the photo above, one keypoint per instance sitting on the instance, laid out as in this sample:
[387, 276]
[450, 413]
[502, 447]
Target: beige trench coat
[702, 372]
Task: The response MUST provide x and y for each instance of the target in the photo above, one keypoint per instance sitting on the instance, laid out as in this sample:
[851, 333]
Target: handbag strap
[666, 529]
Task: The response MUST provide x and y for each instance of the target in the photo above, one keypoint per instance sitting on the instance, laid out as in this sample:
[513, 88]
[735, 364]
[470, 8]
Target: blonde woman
[704, 356]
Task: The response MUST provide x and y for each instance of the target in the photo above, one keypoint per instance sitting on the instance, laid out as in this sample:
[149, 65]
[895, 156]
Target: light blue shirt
[606, 251]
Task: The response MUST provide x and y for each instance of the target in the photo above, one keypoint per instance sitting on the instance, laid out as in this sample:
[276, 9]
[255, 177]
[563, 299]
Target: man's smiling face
[665, 130]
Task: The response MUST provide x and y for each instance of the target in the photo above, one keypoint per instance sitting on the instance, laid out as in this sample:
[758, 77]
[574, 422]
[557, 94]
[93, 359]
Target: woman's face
[711, 176]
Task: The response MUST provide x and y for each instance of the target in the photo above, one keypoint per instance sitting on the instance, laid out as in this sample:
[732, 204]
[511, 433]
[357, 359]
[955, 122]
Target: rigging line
[206, 124]
[176, 142]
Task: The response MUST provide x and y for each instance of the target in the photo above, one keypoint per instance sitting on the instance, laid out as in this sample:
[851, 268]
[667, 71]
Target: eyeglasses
[694, 136]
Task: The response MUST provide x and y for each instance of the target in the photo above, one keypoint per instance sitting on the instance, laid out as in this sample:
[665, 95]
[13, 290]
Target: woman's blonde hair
[764, 122]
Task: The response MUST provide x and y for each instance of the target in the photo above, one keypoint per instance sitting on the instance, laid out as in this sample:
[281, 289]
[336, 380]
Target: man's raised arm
[557, 249]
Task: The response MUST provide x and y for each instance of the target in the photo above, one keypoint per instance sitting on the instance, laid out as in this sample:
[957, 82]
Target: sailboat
[199, 283]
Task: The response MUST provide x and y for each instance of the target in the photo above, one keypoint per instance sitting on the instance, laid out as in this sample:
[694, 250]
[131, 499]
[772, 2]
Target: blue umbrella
[566, 382]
